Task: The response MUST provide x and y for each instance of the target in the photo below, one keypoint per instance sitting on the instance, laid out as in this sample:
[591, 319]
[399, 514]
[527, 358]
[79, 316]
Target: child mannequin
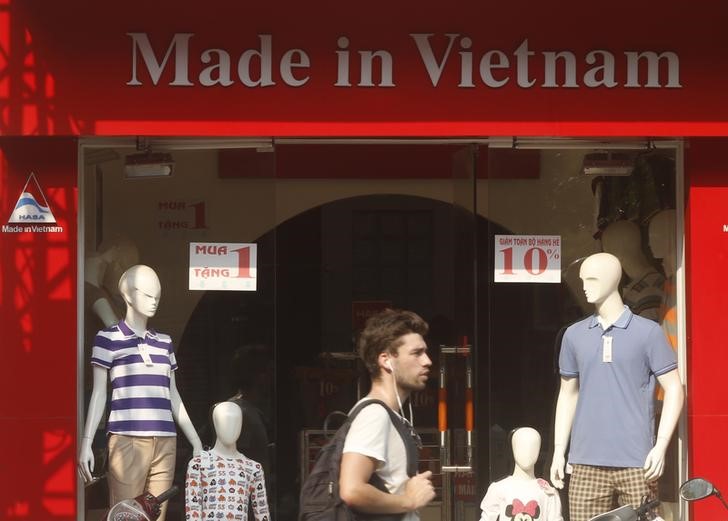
[222, 481]
[521, 496]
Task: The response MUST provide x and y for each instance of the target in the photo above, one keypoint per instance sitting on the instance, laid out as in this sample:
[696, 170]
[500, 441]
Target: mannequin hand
[655, 461]
[196, 448]
[86, 462]
[557, 471]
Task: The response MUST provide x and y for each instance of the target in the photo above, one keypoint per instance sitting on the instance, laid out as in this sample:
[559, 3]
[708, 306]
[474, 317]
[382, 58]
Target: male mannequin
[643, 293]
[662, 243]
[145, 403]
[222, 481]
[608, 364]
[522, 496]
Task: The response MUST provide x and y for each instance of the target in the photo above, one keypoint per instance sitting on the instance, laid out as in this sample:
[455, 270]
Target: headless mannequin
[141, 290]
[522, 496]
[643, 293]
[223, 480]
[662, 240]
[102, 271]
[662, 243]
[601, 274]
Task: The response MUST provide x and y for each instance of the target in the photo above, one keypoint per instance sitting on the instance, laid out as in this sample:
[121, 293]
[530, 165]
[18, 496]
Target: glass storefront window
[343, 230]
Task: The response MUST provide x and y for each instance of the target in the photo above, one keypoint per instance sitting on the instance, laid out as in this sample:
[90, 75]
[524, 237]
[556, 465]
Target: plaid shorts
[595, 490]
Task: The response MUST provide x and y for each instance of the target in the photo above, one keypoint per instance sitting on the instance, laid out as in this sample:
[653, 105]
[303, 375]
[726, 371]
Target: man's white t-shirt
[372, 434]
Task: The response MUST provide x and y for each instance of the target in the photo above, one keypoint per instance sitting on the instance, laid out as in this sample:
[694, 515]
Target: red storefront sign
[324, 69]
[288, 69]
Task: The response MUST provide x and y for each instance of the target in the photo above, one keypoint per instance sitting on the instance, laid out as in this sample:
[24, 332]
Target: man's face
[411, 365]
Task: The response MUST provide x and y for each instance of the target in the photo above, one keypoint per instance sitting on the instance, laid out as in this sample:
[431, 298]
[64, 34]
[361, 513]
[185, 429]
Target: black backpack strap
[404, 429]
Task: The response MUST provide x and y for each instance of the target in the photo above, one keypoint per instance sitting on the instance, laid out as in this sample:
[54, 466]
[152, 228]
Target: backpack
[320, 500]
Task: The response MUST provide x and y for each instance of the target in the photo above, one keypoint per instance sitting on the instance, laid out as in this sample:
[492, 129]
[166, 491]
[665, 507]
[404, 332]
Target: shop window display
[331, 249]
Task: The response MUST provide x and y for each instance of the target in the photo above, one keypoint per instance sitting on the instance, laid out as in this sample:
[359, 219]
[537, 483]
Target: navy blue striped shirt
[140, 398]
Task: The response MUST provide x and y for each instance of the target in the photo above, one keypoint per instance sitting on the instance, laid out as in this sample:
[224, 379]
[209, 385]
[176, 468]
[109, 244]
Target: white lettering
[653, 69]
[294, 59]
[367, 62]
[180, 44]
[342, 63]
[522, 54]
[605, 70]
[264, 56]
[487, 64]
[550, 69]
[219, 72]
[466, 64]
[434, 69]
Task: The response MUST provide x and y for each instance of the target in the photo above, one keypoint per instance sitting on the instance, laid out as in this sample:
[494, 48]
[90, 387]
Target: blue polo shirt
[140, 397]
[614, 421]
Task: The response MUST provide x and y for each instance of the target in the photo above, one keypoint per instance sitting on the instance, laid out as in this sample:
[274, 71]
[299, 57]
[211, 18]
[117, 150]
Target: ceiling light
[608, 164]
[148, 164]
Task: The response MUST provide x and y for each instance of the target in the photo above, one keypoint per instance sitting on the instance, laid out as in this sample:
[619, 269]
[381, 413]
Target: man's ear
[385, 361]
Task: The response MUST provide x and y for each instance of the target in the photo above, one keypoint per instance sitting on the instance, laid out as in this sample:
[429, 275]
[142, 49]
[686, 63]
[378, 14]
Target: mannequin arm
[565, 411]
[96, 407]
[105, 312]
[671, 407]
[182, 418]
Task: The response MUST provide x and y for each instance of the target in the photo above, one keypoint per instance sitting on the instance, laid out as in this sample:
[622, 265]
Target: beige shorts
[139, 464]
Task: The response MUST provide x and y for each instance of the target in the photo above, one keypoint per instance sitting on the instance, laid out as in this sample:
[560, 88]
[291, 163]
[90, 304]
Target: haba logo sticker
[28, 209]
[32, 210]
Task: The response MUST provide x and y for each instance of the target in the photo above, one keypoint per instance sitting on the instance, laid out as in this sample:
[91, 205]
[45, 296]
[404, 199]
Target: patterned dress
[219, 489]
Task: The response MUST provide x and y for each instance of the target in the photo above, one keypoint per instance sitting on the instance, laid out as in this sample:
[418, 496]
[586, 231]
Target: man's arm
[565, 411]
[355, 490]
[671, 407]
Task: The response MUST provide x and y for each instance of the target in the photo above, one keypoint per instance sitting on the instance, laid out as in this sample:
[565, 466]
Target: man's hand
[655, 461]
[557, 470]
[419, 490]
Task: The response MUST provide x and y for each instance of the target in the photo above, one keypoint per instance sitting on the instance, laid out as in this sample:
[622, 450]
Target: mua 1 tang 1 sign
[527, 258]
[228, 266]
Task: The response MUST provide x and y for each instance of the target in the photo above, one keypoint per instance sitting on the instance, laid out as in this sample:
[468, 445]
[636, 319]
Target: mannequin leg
[590, 492]
[161, 469]
[129, 460]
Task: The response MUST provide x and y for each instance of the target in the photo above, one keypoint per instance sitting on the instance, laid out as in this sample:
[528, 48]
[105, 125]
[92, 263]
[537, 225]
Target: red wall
[38, 336]
[707, 305]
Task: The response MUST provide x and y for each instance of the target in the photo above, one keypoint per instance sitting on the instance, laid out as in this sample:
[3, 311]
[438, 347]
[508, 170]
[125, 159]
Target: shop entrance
[345, 229]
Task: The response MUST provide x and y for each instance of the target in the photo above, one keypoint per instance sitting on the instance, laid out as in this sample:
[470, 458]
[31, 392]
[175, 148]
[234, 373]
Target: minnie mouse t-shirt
[517, 499]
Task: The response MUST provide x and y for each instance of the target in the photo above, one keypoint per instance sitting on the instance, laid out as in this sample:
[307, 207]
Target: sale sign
[527, 258]
[225, 266]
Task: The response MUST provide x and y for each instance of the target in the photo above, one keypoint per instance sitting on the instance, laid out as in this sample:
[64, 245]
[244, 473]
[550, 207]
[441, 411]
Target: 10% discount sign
[527, 258]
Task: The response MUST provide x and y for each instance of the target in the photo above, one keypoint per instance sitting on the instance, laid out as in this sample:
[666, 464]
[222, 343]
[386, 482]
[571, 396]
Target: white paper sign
[229, 266]
[527, 258]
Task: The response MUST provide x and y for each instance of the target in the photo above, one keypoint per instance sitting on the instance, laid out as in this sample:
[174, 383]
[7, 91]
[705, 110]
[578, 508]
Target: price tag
[527, 258]
[144, 352]
[606, 349]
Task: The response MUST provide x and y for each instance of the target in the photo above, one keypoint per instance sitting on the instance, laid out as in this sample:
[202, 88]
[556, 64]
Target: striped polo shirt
[140, 399]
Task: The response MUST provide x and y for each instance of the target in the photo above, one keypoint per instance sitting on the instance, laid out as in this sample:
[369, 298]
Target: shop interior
[346, 228]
